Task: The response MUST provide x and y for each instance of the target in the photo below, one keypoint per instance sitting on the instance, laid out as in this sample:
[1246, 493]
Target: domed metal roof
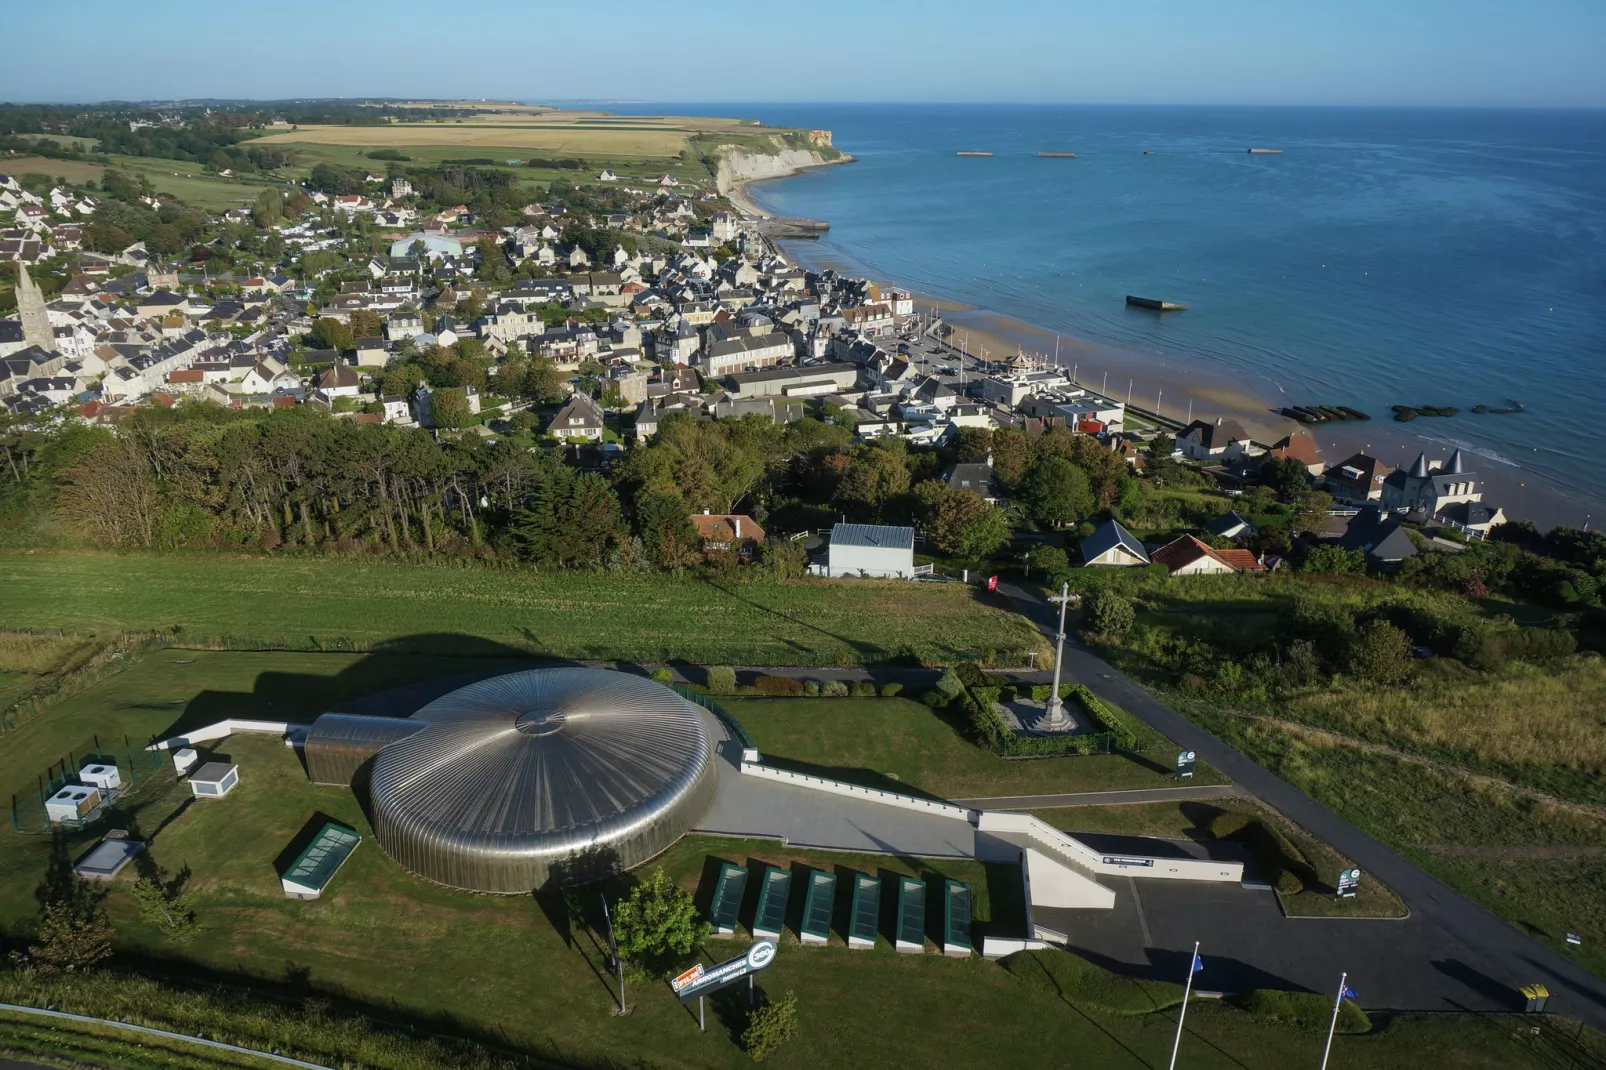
[546, 776]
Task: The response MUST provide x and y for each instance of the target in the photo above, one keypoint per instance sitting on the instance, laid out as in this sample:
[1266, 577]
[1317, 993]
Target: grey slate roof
[1109, 535]
[875, 535]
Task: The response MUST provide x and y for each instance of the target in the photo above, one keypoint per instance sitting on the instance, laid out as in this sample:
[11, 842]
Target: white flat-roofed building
[1011, 390]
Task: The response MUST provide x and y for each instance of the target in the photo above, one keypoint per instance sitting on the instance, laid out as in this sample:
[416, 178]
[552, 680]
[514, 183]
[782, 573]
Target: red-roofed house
[1187, 556]
[1299, 447]
[726, 531]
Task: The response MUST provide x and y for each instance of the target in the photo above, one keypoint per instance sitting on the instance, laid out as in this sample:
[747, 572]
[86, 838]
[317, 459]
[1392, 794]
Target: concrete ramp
[1051, 882]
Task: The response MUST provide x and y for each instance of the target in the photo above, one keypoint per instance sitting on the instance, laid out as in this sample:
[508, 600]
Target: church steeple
[36, 329]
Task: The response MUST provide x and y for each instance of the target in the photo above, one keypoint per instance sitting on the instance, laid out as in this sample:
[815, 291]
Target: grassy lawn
[1538, 865]
[346, 604]
[900, 744]
[1191, 821]
[189, 182]
[523, 973]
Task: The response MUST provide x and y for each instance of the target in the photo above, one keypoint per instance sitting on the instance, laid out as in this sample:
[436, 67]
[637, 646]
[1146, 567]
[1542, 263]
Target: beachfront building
[1357, 478]
[1079, 409]
[1224, 440]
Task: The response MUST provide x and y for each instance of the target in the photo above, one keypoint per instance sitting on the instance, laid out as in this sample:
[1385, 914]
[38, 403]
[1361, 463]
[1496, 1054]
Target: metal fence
[145, 775]
[725, 716]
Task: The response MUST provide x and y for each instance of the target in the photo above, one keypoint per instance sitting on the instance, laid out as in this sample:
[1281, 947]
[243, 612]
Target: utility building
[869, 550]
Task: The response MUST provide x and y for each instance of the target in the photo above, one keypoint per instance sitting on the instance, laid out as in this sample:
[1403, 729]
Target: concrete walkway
[1450, 954]
[1103, 798]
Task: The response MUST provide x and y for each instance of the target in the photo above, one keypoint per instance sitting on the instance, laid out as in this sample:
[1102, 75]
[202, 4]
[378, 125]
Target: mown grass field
[560, 133]
[526, 974]
[350, 604]
[188, 182]
[898, 744]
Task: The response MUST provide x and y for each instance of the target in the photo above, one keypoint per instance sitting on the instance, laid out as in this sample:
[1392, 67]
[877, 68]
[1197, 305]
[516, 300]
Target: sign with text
[1348, 881]
[699, 981]
[1117, 860]
[1186, 760]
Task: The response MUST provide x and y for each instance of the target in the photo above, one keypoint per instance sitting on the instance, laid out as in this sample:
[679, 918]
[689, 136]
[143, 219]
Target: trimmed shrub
[778, 685]
[834, 689]
[1282, 863]
[663, 676]
[1122, 736]
[811, 688]
[864, 689]
[722, 679]
[950, 686]
[1310, 1011]
[1040, 692]
[935, 699]
[891, 690]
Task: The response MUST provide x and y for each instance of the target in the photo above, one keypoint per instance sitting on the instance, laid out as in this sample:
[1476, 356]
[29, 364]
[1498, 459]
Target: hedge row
[977, 692]
[1281, 861]
[1121, 735]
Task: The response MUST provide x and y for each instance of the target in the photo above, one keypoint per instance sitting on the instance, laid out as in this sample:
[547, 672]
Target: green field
[523, 973]
[346, 604]
[188, 182]
[897, 744]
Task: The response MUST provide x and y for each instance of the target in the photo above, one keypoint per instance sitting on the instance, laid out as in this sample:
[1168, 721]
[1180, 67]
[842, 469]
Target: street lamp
[1055, 718]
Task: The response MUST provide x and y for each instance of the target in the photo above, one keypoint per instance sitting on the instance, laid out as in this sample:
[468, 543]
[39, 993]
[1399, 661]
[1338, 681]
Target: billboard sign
[699, 981]
[1186, 759]
[1348, 881]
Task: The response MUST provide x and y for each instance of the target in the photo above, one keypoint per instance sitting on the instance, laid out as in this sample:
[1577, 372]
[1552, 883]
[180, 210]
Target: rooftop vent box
[214, 780]
[101, 775]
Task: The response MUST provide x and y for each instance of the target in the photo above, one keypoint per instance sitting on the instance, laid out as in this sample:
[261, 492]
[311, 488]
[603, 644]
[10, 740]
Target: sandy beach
[1180, 389]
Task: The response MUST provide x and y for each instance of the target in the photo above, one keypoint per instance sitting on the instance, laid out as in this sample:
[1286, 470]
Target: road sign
[713, 978]
[1574, 940]
[992, 584]
[1186, 759]
[1348, 881]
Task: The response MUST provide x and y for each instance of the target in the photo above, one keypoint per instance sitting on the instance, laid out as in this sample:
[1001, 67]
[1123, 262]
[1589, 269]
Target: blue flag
[1349, 993]
[1198, 963]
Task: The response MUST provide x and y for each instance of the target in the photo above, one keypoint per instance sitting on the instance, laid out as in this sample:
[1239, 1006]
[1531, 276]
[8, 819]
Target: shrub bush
[1380, 653]
[950, 686]
[1303, 1010]
[864, 689]
[663, 676]
[778, 685]
[1282, 863]
[811, 688]
[935, 699]
[834, 689]
[769, 1027]
[891, 690]
[722, 679]
[1040, 692]
[1107, 613]
[1122, 735]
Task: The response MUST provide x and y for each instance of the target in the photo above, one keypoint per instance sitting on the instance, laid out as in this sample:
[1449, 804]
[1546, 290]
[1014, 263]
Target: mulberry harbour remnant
[1154, 304]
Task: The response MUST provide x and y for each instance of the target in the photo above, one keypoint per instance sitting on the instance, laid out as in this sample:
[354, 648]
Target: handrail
[165, 1034]
[725, 716]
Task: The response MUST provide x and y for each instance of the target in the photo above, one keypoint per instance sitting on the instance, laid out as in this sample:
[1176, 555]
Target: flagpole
[1332, 1026]
[1186, 992]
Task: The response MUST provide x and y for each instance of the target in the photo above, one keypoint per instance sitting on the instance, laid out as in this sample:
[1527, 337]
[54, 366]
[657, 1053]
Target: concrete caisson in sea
[1154, 304]
[544, 778]
[966, 153]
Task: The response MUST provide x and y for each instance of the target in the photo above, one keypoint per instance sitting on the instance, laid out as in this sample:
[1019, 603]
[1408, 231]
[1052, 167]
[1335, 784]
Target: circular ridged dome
[551, 777]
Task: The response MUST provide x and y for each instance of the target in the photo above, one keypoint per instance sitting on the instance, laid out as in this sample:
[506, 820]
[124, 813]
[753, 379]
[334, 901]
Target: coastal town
[481, 524]
[587, 323]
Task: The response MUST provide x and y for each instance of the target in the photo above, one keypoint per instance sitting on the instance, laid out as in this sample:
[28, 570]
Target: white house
[869, 550]
[1112, 544]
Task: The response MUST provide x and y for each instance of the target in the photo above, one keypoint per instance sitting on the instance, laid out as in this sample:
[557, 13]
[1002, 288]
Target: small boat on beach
[1154, 304]
[967, 153]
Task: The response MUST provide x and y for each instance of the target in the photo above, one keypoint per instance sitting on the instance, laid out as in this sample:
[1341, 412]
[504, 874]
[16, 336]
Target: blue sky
[1458, 52]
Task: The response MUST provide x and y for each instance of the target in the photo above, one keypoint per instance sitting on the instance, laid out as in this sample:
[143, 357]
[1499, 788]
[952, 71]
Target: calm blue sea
[1446, 257]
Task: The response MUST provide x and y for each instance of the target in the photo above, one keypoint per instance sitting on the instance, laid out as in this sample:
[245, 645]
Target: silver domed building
[545, 778]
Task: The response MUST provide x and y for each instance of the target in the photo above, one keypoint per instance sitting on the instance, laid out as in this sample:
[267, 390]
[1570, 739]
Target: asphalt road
[1478, 957]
